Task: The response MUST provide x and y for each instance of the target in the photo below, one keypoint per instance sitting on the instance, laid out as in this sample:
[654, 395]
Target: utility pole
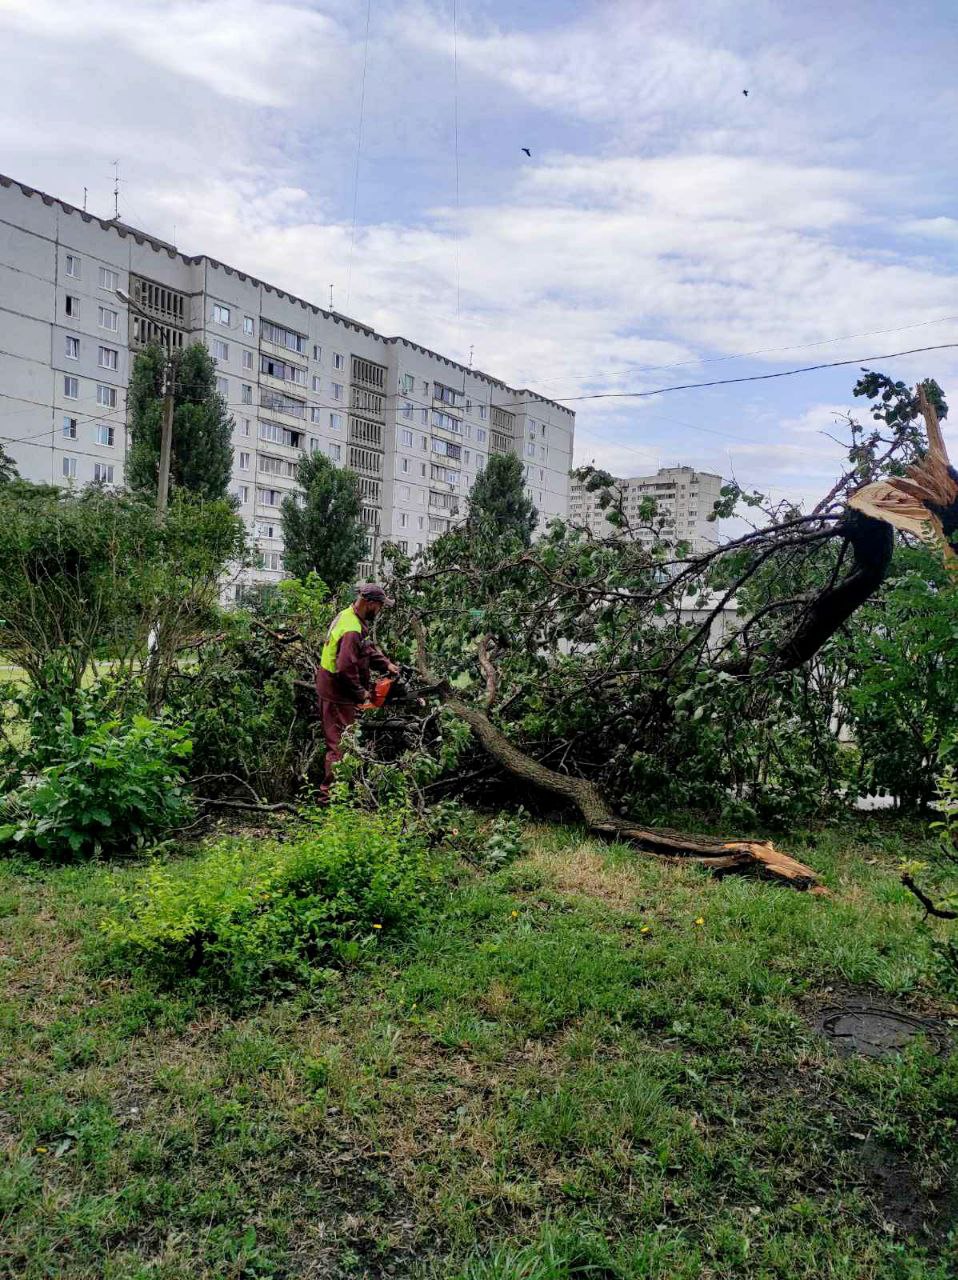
[166, 440]
[166, 427]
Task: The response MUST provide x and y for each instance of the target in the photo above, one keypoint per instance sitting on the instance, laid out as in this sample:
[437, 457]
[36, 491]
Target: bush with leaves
[112, 788]
[248, 694]
[250, 916]
[900, 686]
[484, 843]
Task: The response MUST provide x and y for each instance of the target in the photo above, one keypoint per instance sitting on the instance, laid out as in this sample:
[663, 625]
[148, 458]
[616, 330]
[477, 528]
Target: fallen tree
[579, 640]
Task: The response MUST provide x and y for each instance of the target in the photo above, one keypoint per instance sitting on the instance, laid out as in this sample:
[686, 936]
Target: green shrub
[110, 788]
[490, 845]
[250, 915]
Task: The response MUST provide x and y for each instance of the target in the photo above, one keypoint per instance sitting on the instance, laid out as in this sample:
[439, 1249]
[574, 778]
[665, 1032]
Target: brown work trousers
[336, 717]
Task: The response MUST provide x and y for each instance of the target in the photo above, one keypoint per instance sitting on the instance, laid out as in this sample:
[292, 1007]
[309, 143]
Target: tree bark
[676, 846]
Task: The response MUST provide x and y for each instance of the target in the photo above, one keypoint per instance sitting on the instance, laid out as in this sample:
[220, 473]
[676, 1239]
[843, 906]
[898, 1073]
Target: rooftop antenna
[471, 350]
[116, 190]
[84, 199]
[331, 307]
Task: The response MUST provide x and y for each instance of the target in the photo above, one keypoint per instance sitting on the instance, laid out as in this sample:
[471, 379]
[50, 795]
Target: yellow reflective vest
[341, 624]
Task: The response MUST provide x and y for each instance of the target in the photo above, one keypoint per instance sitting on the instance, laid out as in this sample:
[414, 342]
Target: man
[343, 676]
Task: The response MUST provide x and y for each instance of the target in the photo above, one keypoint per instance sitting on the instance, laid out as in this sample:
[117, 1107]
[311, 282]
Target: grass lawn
[560, 1074]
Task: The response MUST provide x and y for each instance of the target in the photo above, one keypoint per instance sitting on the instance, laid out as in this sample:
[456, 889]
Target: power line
[359, 147]
[755, 377]
[761, 351]
[455, 120]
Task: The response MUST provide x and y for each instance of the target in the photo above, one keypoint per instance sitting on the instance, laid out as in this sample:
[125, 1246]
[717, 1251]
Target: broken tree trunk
[676, 846]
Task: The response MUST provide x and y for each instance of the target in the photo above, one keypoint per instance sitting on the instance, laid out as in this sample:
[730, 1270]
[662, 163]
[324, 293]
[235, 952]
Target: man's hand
[392, 668]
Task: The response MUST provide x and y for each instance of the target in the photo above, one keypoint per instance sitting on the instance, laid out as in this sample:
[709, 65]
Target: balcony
[365, 433]
[498, 443]
[369, 403]
[503, 421]
[370, 490]
[364, 373]
[365, 461]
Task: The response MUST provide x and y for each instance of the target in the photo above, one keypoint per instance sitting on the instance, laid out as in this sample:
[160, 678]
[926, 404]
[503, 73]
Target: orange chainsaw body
[380, 692]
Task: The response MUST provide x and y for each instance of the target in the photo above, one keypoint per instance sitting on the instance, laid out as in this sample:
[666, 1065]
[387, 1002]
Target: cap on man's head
[373, 591]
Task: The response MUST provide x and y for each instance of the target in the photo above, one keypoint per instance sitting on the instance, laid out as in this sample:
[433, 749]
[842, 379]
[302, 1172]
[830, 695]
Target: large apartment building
[684, 500]
[416, 426]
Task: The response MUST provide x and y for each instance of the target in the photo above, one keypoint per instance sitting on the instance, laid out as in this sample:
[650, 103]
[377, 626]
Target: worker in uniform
[343, 676]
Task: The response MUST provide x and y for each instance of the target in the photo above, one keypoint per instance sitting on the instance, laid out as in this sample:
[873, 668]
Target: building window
[246, 426]
[272, 560]
[103, 473]
[317, 351]
[422, 521]
[467, 430]
[107, 358]
[407, 409]
[108, 279]
[446, 422]
[530, 450]
[247, 359]
[73, 266]
[71, 306]
[281, 337]
[220, 349]
[73, 348]
[70, 428]
[223, 387]
[403, 520]
[105, 396]
[482, 412]
[317, 383]
[405, 466]
[315, 413]
[335, 452]
[108, 319]
[248, 326]
[105, 434]
[269, 497]
[244, 462]
[69, 468]
[335, 422]
[246, 393]
[406, 438]
[71, 388]
[337, 391]
[221, 314]
[542, 451]
[339, 361]
[242, 492]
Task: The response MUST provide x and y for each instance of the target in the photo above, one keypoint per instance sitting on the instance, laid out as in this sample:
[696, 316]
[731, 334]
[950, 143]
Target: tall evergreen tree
[498, 504]
[322, 528]
[202, 454]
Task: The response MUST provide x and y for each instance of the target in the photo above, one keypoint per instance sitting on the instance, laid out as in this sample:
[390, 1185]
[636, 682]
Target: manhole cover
[875, 1030]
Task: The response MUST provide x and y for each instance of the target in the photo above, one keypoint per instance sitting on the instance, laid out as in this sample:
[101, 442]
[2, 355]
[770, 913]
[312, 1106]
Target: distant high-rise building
[684, 500]
[416, 426]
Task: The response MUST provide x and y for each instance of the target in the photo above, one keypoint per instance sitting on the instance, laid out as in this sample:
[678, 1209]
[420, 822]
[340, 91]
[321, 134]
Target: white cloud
[254, 50]
[664, 218]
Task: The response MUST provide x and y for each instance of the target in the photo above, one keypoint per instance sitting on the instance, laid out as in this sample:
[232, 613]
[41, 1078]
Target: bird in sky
[744, 93]
[528, 152]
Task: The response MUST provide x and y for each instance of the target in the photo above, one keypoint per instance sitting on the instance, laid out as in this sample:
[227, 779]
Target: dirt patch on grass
[906, 1203]
[589, 874]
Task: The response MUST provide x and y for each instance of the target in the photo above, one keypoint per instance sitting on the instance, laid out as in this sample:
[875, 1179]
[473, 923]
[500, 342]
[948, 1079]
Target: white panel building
[417, 427]
[684, 500]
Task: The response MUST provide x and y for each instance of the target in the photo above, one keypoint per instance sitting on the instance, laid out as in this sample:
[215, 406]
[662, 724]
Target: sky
[667, 228]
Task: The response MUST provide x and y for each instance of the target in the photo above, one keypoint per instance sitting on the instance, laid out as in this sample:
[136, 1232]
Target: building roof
[123, 229]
